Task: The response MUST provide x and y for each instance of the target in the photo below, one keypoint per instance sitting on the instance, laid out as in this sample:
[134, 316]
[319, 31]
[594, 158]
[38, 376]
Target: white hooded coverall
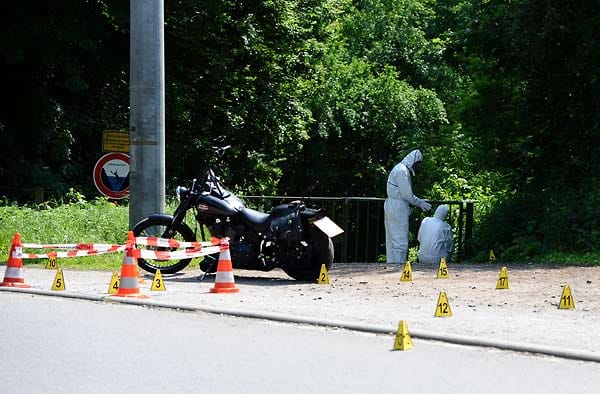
[435, 238]
[397, 208]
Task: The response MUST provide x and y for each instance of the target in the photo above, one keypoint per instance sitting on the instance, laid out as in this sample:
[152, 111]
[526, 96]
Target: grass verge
[79, 221]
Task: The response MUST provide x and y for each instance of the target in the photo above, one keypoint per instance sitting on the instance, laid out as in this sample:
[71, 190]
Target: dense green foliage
[501, 96]
[64, 67]
[534, 115]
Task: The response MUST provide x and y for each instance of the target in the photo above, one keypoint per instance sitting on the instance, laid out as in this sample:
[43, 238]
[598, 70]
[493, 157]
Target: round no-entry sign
[111, 175]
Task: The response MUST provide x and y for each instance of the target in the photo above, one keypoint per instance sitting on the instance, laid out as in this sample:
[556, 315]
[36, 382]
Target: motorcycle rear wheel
[157, 226]
[319, 251]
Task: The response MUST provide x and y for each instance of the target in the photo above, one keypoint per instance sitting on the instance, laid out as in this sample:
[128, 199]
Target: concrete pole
[147, 106]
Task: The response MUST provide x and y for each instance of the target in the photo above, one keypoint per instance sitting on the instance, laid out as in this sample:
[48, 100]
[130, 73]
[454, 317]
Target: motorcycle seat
[258, 220]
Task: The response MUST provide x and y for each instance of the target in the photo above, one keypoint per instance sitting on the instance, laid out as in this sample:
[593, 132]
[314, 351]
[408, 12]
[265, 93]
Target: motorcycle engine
[243, 252]
[244, 255]
[218, 229]
[222, 229]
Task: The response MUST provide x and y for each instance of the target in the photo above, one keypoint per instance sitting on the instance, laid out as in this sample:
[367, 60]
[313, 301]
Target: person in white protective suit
[397, 207]
[435, 238]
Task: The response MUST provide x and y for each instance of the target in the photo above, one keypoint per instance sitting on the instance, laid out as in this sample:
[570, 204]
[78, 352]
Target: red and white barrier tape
[194, 249]
[51, 246]
[176, 254]
[172, 243]
[79, 246]
[18, 252]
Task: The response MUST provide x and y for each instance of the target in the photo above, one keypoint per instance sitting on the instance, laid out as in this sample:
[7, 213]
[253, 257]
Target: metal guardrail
[362, 219]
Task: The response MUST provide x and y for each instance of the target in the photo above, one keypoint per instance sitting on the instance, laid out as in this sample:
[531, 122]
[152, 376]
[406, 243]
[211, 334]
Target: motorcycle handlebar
[219, 150]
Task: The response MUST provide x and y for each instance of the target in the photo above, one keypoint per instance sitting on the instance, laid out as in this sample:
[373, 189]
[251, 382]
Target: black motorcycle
[293, 236]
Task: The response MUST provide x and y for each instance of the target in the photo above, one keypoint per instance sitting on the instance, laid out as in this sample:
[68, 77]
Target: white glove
[424, 205]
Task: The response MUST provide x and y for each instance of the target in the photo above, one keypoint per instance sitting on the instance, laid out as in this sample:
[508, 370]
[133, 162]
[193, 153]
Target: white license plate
[328, 226]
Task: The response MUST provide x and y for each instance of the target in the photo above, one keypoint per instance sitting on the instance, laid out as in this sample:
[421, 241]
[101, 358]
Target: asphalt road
[367, 294]
[52, 344]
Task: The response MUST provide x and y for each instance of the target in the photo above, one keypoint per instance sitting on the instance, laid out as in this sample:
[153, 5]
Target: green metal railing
[362, 219]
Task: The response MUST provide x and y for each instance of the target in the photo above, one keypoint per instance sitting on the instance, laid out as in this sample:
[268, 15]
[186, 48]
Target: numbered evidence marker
[52, 264]
[443, 270]
[323, 276]
[59, 281]
[492, 256]
[443, 306]
[402, 341]
[113, 287]
[566, 299]
[503, 279]
[406, 273]
[157, 283]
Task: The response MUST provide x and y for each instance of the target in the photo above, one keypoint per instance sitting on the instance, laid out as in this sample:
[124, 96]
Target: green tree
[235, 72]
[63, 84]
[373, 97]
[534, 113]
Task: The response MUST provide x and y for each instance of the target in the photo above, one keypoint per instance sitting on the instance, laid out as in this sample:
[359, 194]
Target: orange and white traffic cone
[128, 284]
[13, 276]
[224, 282]
[131, 241]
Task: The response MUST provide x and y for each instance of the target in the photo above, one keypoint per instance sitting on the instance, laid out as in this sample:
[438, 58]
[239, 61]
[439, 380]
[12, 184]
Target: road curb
[286, 318]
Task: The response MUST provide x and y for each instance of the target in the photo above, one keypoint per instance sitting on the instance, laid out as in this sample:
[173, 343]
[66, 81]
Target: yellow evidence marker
[442, 308]
[113, 287]
[443, 270]
[492, 256]
[566, 299]
[52, 264]
[59, 281]
[406, 273]
[157, 283]
[323, 276]
[503, 279]
[402, 341]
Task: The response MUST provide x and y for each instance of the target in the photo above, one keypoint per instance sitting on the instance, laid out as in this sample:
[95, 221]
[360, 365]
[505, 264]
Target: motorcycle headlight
[181, 192]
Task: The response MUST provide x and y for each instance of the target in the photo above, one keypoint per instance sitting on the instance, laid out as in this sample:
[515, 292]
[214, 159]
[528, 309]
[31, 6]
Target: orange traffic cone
[224, 282]
[128, 285]
[130, 239]
[14, 267]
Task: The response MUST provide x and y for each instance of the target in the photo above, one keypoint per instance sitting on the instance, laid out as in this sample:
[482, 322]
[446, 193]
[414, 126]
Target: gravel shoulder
[527, 312]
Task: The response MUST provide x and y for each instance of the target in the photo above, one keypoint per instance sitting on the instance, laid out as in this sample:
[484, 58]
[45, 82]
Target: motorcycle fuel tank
[208, 204]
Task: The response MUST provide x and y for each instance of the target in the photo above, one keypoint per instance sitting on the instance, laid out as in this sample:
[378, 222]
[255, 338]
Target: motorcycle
[295, 237]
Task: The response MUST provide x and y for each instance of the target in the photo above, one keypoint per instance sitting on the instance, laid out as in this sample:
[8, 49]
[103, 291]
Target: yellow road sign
[115, 141]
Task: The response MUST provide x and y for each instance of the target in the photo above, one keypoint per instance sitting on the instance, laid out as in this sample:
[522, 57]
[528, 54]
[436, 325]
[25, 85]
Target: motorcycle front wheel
[160, 226]
[306, 264]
